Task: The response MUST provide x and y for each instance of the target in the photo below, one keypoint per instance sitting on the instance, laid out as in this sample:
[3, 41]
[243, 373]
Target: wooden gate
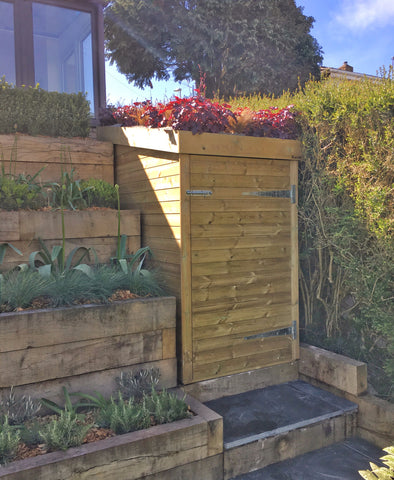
[244, 282]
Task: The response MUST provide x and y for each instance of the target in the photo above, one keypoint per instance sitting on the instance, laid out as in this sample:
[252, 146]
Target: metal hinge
[276, 193]
[204, 193]
[274, 333]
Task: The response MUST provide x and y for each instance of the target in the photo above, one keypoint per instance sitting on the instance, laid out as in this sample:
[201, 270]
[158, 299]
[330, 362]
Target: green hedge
[346, 218]
[35, 111]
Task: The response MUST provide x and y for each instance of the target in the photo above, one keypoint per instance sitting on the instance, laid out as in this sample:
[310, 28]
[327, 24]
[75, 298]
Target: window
[7, 42]
[56, 43]
[63, 60]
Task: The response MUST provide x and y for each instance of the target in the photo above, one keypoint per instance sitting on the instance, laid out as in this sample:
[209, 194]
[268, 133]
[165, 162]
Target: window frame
[24, 45]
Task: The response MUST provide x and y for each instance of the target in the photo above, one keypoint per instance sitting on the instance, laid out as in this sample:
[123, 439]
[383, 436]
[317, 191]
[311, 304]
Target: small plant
[98, 193]
[18, 409]
[137, 279]
[123, 416]
[20, 288]
[9, 440]
[64, 432]
[68, 405]
[137, 385]
[68, 192]
[166, 407]
[381, 473]
[56, 262]
[30, 432]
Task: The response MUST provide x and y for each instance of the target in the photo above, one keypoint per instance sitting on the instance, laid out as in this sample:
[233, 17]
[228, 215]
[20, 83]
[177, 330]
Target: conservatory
[57, 44]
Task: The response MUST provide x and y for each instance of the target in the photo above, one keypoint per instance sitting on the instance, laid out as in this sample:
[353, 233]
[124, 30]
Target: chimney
[346, 67]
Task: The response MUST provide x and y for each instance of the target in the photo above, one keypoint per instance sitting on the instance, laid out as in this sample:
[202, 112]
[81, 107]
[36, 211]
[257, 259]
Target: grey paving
[275, 409]
[340, 461]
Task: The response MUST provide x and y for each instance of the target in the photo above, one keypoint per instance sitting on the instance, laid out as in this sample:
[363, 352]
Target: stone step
[279, 422]
[340, 461]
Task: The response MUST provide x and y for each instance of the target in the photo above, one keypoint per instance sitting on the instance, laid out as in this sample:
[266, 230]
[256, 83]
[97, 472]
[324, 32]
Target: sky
[360, 32]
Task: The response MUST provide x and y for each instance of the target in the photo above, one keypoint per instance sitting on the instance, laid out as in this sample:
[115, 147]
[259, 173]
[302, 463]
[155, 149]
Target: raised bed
[190, 448]
[220, 213]
[85, 347]
[90, 158]
[95, 228]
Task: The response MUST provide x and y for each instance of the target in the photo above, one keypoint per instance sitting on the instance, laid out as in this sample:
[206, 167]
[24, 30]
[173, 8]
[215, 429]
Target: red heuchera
[198, 114]
[273, 122]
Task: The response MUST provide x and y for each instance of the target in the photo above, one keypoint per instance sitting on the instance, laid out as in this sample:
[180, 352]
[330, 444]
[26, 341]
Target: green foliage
[123, 416]
[98, 193]
[166, 407]
[244, 46]
[67, 193]
[20, 288]
[346, 218]
[35, 111]
[381, 473]
[9, 440]
[68, 405]
[79, 284]
[64, 432]
[30, 432]
[19, 192]
[56, 263]
[17, 409]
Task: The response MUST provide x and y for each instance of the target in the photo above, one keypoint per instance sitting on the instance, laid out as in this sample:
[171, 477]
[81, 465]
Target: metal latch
[203, 193]
[276, 193]
[274, 333]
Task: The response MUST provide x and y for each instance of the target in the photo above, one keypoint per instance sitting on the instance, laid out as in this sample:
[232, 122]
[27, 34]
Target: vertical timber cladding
[230, 256]
[244, 265]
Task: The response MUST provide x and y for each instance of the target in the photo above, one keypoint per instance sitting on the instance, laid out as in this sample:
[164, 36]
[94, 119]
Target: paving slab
[276, 409]
[340, 461]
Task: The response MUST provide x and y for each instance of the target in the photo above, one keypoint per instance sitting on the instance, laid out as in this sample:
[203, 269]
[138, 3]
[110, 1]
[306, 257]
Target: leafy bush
[64, 432]
[35, 111]
[198, 114]
[166, 407]
[346, 218]
[20, 191]
[123, 416]
[98, 193]
[9, 440]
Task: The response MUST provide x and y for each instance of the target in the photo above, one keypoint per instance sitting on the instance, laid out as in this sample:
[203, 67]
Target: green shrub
[98, 193]
[166, 407]
[123, 416]
[64, 432]
[346, 218]
[20, 288]
[9, 440]
[35, 111]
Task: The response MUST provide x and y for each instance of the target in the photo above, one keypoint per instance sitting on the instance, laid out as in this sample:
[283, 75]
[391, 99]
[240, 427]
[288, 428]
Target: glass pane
[63, 57]
[7, 46]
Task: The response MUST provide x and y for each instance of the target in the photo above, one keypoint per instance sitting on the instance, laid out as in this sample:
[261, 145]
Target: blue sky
[360, 32]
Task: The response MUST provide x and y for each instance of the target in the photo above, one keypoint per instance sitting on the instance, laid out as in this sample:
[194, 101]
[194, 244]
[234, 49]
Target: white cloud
[363, 14]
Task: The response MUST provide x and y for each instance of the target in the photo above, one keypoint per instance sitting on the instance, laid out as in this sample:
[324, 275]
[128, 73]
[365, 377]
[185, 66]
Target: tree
[243, 46]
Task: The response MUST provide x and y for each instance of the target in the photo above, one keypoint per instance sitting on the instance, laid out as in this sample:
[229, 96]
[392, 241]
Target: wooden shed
[219, 212]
